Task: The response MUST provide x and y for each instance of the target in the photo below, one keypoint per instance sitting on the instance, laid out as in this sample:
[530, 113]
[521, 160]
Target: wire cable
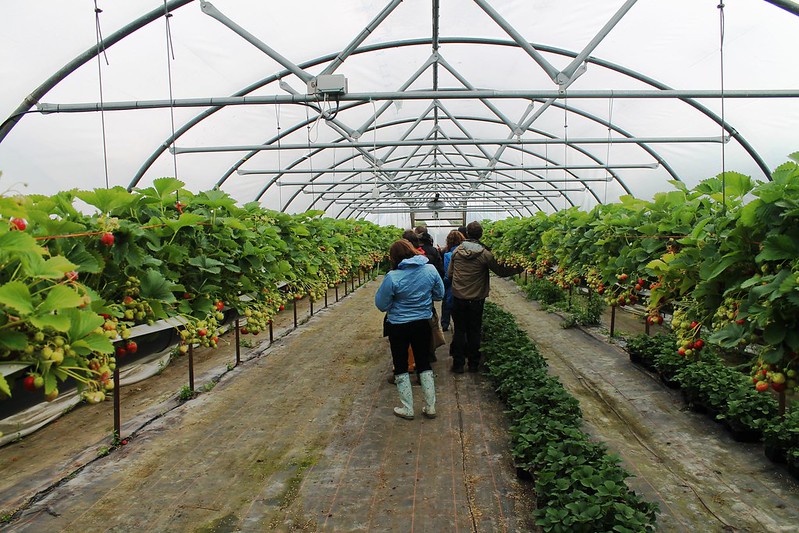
[723, 122]
[170, 56]
[101, 48]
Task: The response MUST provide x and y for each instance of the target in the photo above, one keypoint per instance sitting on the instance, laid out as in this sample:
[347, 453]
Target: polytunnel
[385, 109]
[196, 198]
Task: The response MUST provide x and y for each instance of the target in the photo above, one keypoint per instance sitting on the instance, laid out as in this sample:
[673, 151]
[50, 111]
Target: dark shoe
[433, 358]
[457, 369]
[418, 380]
[391, 379]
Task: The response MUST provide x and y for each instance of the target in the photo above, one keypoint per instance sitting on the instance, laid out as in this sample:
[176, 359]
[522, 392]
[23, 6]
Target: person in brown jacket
[469, 273]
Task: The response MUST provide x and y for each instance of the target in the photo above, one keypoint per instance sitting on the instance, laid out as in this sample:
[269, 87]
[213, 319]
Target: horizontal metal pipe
[441, 169]
[379, 210]
[454, 181]
[413, 95]
[442, 142]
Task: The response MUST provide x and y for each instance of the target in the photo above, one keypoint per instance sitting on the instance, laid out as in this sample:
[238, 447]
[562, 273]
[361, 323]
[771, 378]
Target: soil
[301, 437]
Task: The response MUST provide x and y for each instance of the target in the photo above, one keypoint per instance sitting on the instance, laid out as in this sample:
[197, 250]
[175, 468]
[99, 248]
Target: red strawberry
[19, 224]
[28, 383]
[202, 332]
[72, 275]
[131, 347]
[220, 305]
[762, 386]
[121, 351]
[107, 239]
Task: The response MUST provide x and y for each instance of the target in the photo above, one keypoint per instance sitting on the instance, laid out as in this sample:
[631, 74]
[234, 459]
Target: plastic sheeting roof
[491, 124]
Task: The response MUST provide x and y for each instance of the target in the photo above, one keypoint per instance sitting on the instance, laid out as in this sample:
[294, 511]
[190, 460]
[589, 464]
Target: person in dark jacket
[406, 295]
[468, 272]
[432, 253]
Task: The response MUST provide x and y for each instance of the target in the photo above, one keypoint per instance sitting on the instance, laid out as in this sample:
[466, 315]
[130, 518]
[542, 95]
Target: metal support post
[310, 299]
[117, 409]
[326, 298]
[238, 343]
[191, 367]
[646, 326]
[337, 292]
[612, 319]
[271, 333]
[294, 307]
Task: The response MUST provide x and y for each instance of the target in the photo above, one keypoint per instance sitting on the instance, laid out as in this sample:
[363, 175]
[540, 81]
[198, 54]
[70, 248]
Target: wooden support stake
[337, 292]
[359, 277]
[271, 333]
[294, 306]
[569, 304]
[782, 403]
[326, 298]
[310, 299]
[646, 326]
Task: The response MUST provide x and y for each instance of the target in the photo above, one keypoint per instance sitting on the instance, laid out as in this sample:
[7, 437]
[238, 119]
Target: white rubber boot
[429, 391]
[406, 396]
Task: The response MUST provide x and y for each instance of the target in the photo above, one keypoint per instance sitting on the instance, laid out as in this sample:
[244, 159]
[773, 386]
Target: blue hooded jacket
[408, 292]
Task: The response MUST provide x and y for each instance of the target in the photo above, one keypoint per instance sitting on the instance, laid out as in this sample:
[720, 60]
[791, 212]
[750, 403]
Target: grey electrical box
[335, 84]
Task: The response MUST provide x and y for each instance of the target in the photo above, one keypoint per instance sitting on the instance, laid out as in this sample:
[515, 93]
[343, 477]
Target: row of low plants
[78, 269]
[580, 308]
[580, 487]
[724, 393]
[722, 258]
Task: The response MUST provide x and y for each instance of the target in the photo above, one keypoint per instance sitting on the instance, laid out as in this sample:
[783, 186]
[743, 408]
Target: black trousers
[417, 335]
[468, 317]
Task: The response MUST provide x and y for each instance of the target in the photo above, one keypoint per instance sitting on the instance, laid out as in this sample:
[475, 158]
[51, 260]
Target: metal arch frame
[452, 40]
[174, 4]
[427, 188]
[499, 122]
[319, 173]
[33, 98]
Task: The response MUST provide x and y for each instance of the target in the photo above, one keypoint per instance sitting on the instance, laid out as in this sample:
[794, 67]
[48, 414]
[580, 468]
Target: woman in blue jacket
[406, 295]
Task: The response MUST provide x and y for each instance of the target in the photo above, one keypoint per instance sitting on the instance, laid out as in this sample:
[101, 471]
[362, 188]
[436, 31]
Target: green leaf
[56, 322]
[4, 388]
[718, 268]
[778, 247]
[166, 186]
[154, 286]
[81, 323]
[16, 295]
[729, 336]
[184, 221]
[774, 333]
[53, 268]
[107, 200]
[60, 297]
[206, 264]
[85, 261]
[50, 384]
[93, 342]
[13, 340]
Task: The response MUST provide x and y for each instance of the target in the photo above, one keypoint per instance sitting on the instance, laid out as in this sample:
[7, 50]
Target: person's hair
[420, 229]
[425, 238]
[462, 229]
[454, 238]
[474, 230]
[400, 250]
[412, 237]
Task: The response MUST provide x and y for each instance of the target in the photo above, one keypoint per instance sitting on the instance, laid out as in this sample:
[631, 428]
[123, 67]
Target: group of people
[420, 275]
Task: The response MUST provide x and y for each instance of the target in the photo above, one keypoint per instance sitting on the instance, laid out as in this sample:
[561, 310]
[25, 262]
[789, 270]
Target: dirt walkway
[300, 438]
[702, 479]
